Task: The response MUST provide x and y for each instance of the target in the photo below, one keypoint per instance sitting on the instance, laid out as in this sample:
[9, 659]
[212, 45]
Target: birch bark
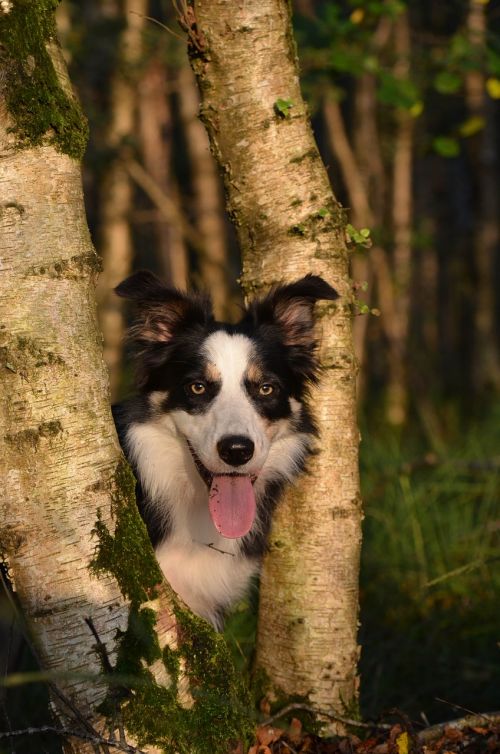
[289, 223]
[68, 496]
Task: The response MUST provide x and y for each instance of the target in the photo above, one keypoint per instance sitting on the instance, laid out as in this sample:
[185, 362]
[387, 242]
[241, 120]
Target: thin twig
[159, 23]
[459, 706]
[108, 667]
[100, 646]
[217, 549]
[97, 739]
[470, 721]
[165, 205]
[324, 713]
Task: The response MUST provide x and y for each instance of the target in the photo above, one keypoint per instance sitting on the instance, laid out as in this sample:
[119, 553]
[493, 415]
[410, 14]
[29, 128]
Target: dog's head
[236, 393]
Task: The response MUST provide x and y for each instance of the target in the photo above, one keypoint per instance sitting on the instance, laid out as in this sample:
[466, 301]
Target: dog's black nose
[235, 449]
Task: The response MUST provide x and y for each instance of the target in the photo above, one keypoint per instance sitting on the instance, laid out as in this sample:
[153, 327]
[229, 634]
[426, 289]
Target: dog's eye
[198, 388]
[266, 389]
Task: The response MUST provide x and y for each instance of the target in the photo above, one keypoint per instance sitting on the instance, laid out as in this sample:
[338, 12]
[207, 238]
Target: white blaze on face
[231, 412]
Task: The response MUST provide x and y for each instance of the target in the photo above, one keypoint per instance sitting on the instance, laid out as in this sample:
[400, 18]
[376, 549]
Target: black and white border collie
[220, 425]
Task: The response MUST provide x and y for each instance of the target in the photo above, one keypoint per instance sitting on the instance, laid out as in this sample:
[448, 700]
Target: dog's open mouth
[231, 500]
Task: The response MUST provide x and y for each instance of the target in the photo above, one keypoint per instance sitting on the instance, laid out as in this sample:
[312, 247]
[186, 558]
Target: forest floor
[399, 738]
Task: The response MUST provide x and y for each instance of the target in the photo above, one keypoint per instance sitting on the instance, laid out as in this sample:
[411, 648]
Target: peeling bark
[289, 223]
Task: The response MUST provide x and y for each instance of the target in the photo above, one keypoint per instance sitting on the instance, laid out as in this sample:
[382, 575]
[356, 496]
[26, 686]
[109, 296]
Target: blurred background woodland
[405, 105]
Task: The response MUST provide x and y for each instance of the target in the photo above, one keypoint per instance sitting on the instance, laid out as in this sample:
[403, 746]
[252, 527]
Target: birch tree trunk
[289, 224]
[71, 538]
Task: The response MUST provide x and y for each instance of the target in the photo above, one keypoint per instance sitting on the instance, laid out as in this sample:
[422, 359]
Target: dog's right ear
[161, 310]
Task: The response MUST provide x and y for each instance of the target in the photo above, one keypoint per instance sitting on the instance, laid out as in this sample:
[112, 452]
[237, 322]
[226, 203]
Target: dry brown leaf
[481, 731]
[295, 730]
[453, 733]
[268, 734]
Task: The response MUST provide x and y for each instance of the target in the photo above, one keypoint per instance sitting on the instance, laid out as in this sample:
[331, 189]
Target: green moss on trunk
[151, 712]
[41, 111]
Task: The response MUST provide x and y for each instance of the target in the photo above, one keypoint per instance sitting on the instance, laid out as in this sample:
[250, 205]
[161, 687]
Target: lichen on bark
[42, 110]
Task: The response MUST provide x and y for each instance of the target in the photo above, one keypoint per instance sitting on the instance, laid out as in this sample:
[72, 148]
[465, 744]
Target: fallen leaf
[454, 734]
[268, 734]
[403, 743]
[295, 730]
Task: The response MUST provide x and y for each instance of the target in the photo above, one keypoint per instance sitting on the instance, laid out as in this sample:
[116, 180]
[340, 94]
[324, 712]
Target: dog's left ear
[291, 307]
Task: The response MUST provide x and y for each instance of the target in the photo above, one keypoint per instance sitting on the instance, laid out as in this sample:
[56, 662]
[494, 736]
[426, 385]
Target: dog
[220, 425]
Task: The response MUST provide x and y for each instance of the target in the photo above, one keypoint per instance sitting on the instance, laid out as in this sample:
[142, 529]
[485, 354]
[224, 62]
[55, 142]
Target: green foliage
[397, 92]
[340, 43]
[42, 112]
[340, 40]
[358, 237]
[283, 107]
[446, 146]
[447, 82]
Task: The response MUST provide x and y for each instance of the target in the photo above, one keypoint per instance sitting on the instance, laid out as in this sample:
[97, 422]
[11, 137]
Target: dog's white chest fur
[203, 576]
[204, 568]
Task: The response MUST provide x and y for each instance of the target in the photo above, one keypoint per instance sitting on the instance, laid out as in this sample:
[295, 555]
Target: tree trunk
[115, 234]
[289, 224]
[402, 213]
[208, 203]
[155, 128]
[486, 362]
[71, 537]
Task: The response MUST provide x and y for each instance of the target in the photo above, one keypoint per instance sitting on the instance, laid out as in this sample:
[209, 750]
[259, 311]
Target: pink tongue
[232, 505]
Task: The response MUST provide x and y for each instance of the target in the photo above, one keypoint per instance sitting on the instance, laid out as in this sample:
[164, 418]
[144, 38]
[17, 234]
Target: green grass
[430, 577]
[430, 581]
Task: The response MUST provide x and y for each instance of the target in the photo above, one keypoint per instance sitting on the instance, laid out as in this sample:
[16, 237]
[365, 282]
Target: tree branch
[96, 739]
